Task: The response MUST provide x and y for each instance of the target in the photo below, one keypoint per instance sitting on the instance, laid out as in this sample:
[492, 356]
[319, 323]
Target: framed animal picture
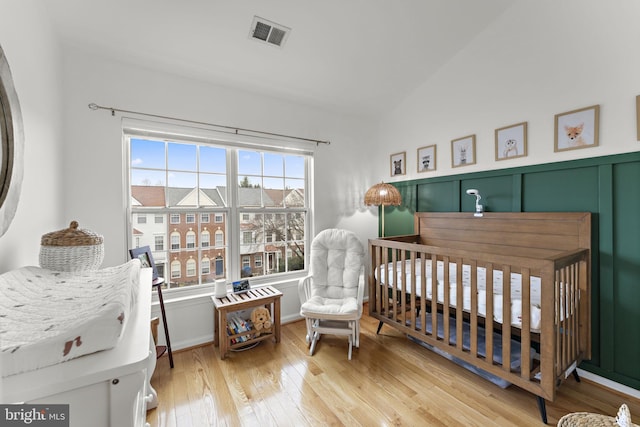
[463, 151]
[577, 129]
[511, 141]
[399, 163]
[427, 158]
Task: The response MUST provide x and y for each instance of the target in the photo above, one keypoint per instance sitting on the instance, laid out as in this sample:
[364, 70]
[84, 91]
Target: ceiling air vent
[269, 32]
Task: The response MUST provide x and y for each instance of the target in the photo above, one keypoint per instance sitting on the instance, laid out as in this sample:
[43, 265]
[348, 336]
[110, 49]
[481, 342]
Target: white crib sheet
[516, 289]
[48, 317]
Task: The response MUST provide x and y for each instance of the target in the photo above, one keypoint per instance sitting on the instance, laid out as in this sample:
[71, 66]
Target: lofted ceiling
[351, 56]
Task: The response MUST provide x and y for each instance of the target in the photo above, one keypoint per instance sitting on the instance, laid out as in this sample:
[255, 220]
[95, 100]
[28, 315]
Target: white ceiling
[350, 56]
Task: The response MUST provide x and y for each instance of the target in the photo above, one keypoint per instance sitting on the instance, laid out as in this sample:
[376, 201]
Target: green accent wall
[608, 187]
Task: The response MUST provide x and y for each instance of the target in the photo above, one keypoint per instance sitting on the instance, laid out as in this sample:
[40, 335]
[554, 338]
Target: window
[159, 243]
[142, 219]
[257, 198]
[191, 267]
[219, 238]
[191, 239]
[205, 266]
[176, 270]
[175, 241]
[205, 238]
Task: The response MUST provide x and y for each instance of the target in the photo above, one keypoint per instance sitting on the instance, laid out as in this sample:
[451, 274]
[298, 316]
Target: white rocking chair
[331, 295]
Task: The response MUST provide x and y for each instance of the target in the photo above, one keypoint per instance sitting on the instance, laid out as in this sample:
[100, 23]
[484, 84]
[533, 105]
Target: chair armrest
[361, 286]
[304, 288]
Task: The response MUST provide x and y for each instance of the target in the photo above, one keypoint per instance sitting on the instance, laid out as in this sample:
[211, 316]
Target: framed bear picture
[399, 164]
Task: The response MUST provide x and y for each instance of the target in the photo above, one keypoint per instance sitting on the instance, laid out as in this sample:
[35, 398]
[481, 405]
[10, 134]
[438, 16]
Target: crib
[506, 293]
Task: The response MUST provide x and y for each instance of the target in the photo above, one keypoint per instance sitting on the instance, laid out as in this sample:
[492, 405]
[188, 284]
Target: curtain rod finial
[93, 106]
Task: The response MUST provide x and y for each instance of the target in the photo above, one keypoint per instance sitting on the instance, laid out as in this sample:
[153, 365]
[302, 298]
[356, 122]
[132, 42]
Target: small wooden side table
[255, 297]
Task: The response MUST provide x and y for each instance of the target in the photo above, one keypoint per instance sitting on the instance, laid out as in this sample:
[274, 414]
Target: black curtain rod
[94, 106]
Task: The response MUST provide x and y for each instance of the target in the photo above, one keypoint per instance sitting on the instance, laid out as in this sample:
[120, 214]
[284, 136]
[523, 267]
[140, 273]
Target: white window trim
[133, 127]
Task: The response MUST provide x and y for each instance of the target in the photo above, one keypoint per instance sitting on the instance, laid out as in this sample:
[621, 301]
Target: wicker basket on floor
[71, 249]
[587, 419]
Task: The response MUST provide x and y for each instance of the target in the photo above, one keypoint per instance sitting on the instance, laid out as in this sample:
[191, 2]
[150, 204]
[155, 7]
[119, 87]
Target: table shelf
[264, 296]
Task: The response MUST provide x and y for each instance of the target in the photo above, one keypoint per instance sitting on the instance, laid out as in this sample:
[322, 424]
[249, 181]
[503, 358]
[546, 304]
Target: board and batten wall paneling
[605, 186]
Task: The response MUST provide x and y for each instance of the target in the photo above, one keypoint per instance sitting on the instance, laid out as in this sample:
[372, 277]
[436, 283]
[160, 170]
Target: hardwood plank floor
[389, 381]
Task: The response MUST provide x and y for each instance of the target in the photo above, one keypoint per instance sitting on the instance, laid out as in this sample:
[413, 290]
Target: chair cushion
[330, 308]
[335, 264]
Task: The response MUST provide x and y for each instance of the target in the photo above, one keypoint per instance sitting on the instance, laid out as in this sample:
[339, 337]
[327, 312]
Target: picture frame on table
[427, 158]
[577, 129]
[463, 151]
[511, 141]
[143, 253]
[398, 163]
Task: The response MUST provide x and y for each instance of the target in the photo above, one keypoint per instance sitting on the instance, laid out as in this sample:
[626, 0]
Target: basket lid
[72, 236]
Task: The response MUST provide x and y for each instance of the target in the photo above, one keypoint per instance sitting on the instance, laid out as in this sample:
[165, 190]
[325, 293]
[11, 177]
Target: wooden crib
[543, 311]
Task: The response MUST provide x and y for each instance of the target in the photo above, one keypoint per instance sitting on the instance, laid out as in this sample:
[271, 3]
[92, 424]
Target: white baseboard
[632, 392]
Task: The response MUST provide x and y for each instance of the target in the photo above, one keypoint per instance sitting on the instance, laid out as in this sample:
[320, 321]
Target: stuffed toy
[261, 319]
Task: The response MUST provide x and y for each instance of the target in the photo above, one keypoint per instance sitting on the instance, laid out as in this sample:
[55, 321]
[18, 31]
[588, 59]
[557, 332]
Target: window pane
[213, 159]
[181, 157]
[294, 193]
[294, 167]
[250, 196]
[147, 154]
[182, 180]
[148, 178]
[273, 164]
[214, 190]
[249, 163]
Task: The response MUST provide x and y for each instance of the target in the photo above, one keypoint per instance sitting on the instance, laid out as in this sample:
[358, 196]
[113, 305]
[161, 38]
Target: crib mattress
[48, 317]
[516, 289]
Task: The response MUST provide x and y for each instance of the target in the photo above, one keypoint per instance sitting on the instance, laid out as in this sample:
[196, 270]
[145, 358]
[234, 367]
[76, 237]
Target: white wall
[93, 176]
[536, 60]
[33, 56]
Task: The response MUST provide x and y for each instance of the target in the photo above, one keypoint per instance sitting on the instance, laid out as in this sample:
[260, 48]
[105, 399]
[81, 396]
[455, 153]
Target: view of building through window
[205, 221]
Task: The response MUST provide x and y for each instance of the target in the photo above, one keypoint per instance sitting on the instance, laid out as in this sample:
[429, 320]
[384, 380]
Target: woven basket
[587, 419]
[71, 249]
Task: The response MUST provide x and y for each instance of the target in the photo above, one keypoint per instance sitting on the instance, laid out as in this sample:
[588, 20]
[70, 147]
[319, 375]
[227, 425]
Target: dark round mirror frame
[11, 146]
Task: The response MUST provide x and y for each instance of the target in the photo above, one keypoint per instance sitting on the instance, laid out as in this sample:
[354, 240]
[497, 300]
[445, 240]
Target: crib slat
[525, 332]
[459, 304]
[489, 314]
[434, 295]
[506, 318]
[423, 292]
[412, 292]
[445, 317]
[473, 347]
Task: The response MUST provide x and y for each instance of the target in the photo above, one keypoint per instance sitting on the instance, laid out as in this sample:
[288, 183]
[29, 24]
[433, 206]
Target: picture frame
[463, 151]
[511, 141]
[427, 158]
[398, 163]
[143, 253]
[577, 129]
[241, 286]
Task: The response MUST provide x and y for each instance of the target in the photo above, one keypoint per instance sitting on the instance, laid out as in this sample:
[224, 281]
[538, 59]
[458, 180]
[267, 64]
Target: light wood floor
[389, 381]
